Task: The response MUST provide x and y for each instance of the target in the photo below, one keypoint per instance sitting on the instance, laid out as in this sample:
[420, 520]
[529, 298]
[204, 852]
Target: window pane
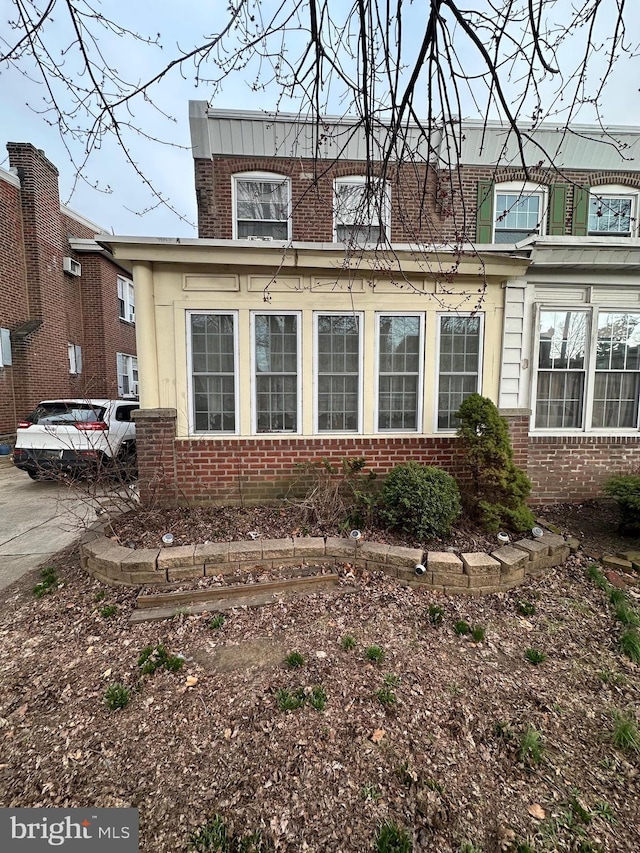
[360, 211]
[562, 340]
[213, 368]
[338, 372]
[517, 216]
[459, 365]
[615, 398]
[559, 400]
[398, 369]
[262, 208]
[276, 365]
[610, 215]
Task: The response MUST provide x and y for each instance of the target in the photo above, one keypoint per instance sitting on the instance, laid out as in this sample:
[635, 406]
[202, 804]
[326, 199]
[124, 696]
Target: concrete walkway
[36, 521]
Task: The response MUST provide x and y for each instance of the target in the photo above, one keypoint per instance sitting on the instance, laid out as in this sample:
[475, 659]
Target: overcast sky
[120, 198]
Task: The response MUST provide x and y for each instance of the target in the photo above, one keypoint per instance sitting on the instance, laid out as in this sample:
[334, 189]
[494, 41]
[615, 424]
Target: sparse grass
[288, 700]
[375, 654]
[436, 615]
[294, 660]
[478, 633]
[469, 847]
[603, 810]
[371, 793]
[595, 574]
[386, 697]
[535, 656]
[526, 608]
[100, 595]
[216, 622]
[117, 696]
[578, 809]
[630, 644]
[626, 614]
[153, 658]
[392, 680]
[391, 838]
[462, 628]
[318, 698]
[434, 785]
[531, 747]
[348, 642]
[617, 596]
[608, 676]
[48, 583]
[214, 837]
[108, 611]
[626, 736]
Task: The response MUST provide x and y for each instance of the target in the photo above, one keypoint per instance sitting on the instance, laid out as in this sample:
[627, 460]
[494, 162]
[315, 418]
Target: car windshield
[66, 413]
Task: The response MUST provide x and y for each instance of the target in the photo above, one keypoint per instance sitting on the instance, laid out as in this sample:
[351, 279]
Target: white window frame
[236, 384]
[521, 189]
[126, 365]
[420, 396]
[478, 390]
[385, 204]
[316, 413]
[592, 313]
[258, 177]
[6, 359]
[254, 375]
[126, 297]
[616, 191]
[74, 352]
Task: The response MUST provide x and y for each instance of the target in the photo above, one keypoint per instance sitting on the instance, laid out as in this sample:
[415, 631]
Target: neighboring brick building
[64, 330]
[338, 306]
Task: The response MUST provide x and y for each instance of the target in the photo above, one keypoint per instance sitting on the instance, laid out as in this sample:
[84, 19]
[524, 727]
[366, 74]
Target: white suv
[76, 437]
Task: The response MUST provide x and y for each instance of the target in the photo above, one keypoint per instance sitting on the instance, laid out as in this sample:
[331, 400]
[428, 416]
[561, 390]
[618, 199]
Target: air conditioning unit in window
[262, 239]
[71, 266]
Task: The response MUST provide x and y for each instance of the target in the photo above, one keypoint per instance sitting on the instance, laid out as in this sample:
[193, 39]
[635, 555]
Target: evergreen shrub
[421, 500]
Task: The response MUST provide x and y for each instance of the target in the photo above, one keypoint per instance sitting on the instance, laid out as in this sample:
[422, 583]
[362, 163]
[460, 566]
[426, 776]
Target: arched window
[262, 204]
[613, 211]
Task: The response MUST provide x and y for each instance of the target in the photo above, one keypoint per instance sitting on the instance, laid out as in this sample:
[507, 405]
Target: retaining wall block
[533, 547]
[374, 551]
[407, 558]
[274, 549]
[143, 560]
[212, 552]
[443, 561]
[479, 564]
[177, 555]
[178, 573]
[560, 556]
[244, 551]
[509, 556]
[308, 546]
[514, 575]
[449, 580]
[489, 578]
[554, 541]
[338, 547]
[137, 578]
[620, 564]
[104, 553]
[538, 567]
[255, 565]
[212, 570]
[373, 566]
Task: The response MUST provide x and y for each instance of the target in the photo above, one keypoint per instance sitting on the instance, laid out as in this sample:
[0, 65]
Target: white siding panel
[559, 295]
[617, 296]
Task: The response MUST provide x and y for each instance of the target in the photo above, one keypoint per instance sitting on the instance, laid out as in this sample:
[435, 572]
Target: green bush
[499, 489]
[420, 500]
[625, 488]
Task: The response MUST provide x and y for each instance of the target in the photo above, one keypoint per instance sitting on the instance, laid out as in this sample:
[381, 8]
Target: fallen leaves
[536, 810]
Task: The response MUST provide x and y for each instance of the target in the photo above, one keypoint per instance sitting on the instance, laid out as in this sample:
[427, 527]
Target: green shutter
[558, 209]
[580, 211]
[484, 220]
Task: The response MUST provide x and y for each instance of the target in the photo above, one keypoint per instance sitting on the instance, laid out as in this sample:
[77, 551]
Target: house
[66, 305]
[337, 305]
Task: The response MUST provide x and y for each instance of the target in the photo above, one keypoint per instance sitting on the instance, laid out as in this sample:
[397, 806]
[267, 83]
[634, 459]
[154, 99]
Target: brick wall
[426, 205]
[573, 468]
[415, 215]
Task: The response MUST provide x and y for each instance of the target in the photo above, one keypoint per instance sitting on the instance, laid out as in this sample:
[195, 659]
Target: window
[5, 348]
[75, 359]
[276, 360]
[126, 304]
[613, 211]
[459, 360]
[338, 360]
[213, 359]
[261, 206]
[399, 371]
[127, 375]
[588, 370]
[361, 210]
[519, 211]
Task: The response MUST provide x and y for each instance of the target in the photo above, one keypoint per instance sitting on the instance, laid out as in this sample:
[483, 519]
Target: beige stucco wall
[169, 284]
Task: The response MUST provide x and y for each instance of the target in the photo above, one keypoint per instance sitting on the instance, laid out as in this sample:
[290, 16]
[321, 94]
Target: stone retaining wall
[473, 574]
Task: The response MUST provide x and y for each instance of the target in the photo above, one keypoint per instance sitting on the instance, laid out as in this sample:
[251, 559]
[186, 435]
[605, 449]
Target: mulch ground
[439, 737]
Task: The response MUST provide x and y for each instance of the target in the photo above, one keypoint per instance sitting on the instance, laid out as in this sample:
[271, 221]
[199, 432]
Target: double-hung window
[262, 205]
[126, 303]
[213, 357]
[399, 374]
[338, 360]
[276, 372]
[613, 212]
[459, 364]
[519, 211]
[361, 210]
[588, 369]
[127, 375]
